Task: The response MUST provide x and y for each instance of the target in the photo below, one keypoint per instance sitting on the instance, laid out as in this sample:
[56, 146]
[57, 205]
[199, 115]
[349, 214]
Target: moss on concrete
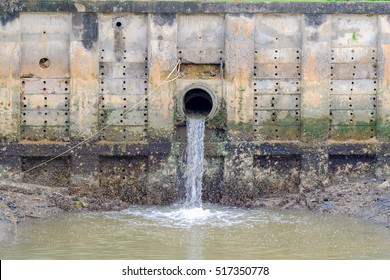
[315, 129]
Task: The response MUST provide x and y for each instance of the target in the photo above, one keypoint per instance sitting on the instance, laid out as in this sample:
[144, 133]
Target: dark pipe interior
[197, 102]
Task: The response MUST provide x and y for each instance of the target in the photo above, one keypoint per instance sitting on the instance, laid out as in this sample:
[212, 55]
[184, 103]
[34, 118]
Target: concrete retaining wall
[297, 97]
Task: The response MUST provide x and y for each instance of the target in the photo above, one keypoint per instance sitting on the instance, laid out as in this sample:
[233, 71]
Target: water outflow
[195, 155]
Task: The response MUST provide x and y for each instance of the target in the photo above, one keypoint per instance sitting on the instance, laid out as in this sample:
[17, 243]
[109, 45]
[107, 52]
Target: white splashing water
[195, 155]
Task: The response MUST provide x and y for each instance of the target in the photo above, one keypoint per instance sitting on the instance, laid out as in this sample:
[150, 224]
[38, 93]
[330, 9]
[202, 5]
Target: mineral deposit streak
[195, 155]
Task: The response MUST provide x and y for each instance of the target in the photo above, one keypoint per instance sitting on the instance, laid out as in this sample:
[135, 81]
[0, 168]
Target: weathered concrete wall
[297, 97]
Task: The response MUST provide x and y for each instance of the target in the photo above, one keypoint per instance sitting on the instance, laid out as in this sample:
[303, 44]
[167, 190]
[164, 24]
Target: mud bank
[19, 201]
[368, 199]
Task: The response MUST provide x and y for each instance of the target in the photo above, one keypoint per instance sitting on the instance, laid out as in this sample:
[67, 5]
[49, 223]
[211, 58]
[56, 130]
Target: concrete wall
[298, 97]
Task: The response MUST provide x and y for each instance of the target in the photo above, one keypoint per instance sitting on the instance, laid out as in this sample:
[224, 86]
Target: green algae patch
[315, 129]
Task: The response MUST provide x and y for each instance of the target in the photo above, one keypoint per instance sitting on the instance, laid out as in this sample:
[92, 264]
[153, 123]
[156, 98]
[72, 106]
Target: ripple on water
[211, 232]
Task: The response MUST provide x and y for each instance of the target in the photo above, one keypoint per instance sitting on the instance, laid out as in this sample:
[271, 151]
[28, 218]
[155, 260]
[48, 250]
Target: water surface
[215, 232]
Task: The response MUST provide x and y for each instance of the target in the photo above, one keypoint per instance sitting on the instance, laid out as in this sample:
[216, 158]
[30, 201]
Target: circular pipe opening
[197, 102]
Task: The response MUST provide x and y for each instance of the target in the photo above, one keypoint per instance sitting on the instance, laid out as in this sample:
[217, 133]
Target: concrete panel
[275, 31]
[277, 86]
[277, 118]
[348, 71]
[356, 55]
[123, 86]
[277, 102]
[128, 55]
[352, 117]
[122, 133]
[201, 56]
[47, 102]
[200, 32]
[345, 102]
[109, 70]
[346, 132]
[45, 118]
[119, 102]
[45, 36]
[354, 31]
[117, 117]
[118, 33]
[354, 87]
[39, 133]
[282, 133]
[46, 86]
[45, 23]
[277, 71]
[282, 55]
[56, 52]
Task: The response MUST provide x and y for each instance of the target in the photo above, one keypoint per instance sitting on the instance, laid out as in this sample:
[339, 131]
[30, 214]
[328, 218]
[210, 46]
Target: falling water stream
[195, 155]
[196, 231]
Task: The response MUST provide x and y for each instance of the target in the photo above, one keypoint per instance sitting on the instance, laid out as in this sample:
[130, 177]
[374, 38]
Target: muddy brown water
[216, 232]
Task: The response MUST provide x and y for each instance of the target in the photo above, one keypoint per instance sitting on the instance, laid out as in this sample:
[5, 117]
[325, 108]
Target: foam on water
[181, 217]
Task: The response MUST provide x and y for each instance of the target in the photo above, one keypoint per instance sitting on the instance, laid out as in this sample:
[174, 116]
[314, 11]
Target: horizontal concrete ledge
[211, 149]
[194, 7]
[102, 149]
